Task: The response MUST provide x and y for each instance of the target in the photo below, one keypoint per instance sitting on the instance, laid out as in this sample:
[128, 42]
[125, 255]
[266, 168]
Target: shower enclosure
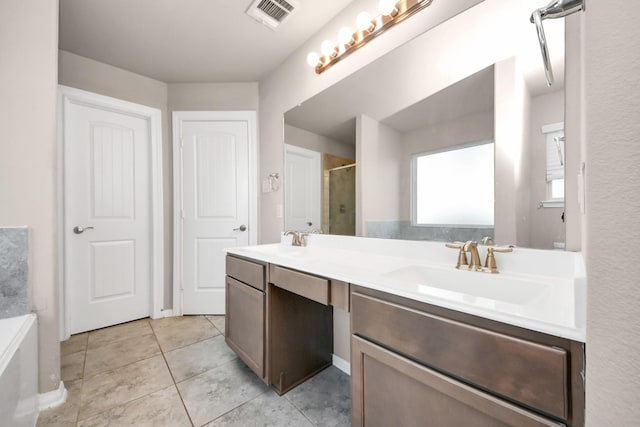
[341, 185]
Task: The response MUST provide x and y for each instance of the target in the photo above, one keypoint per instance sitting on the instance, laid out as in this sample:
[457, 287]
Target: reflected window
[454, 187]
[554, 139]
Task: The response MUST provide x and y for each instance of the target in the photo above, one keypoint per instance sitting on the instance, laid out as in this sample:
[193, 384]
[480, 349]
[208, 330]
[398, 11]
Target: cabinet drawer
[389, 389]
[306, 285]
[532, 374]
[248, 272]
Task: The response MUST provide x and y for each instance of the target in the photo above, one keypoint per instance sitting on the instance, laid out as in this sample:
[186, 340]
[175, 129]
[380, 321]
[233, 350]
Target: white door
[107, 227]
[214, 169]
[303, 180]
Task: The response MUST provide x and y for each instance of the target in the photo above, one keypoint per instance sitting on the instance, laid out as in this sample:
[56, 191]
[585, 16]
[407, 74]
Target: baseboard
[167, 312]
[342, 364]
[53, 398]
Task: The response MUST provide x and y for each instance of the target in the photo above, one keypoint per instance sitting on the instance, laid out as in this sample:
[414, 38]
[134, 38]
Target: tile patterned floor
[178, 371]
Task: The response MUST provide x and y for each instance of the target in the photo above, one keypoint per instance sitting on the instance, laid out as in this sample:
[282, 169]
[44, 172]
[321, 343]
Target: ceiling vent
[271, 12]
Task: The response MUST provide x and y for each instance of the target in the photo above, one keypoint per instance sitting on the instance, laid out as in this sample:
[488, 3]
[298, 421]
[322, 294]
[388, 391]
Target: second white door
[214, 179]
[303, 182]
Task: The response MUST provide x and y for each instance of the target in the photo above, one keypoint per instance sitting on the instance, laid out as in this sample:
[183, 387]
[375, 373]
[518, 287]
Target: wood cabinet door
[390, 390]
[244, 328]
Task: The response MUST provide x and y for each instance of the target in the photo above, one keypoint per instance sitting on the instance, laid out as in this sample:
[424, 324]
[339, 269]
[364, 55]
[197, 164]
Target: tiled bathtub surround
[405, 231]
[14, 294]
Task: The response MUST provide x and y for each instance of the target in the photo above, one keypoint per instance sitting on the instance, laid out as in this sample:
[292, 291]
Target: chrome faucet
[295, 237]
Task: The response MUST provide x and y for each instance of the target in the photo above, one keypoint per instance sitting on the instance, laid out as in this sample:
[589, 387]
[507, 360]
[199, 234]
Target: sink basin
[446, 283]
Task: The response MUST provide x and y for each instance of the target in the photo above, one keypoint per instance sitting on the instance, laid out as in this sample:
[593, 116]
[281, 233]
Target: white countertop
[543, 291]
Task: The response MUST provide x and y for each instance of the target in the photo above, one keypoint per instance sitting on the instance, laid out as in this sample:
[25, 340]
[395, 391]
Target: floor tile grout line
[298, 409]
[207, 370]
[120, 367]
[238, 406]
[123, 366]
[175, 384]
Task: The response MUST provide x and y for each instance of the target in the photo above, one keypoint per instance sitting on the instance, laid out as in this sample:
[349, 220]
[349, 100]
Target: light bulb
[312, 59]
[327, 47]
[345, 35]
[386, 7]
[363, 21]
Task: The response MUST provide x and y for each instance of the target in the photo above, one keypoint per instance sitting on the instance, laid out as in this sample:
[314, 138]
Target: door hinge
[181, 142]
[181, 213]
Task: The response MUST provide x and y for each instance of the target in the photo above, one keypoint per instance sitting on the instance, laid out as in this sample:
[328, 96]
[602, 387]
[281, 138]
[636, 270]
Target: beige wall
[611, 233]
[312, 141]
[213, 96]
[546, 223]
[28, 81]
[378, 151]
[508, 140]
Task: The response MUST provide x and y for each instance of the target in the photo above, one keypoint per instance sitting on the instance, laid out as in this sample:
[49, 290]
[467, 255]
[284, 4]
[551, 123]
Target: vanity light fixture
[392, 12]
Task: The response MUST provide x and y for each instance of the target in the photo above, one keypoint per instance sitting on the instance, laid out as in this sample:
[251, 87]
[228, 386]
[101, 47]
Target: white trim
[52, 398]
[178, 118]
[552, 203]
[153, 116]
[341, 364]
[552, 127]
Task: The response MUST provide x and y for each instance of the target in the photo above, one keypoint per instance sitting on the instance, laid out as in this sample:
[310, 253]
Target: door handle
[309, 223]
[79, 229]
[241, 228]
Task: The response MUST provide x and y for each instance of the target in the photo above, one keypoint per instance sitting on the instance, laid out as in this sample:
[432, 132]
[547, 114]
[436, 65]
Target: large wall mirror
[436, 94]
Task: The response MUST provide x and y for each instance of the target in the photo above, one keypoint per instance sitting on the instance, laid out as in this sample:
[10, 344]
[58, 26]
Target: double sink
[550, 303]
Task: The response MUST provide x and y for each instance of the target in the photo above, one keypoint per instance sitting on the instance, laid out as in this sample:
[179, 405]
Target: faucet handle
[490, 262]
[462, 255]
[454, 245]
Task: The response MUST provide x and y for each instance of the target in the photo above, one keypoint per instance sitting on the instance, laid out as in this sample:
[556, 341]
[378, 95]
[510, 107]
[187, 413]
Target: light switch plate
[266, 186]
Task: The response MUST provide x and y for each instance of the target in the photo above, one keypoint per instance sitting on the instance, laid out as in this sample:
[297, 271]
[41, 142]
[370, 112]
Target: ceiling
[187, 40]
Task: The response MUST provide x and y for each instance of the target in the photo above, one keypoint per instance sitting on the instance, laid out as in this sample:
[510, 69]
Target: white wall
[28, 82]
[611, 232]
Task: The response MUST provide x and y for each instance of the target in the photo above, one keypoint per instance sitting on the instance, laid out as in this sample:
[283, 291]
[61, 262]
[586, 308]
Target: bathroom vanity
[430, 345]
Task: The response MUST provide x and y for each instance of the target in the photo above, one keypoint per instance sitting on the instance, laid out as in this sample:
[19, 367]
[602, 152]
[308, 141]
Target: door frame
[178, 118]
[153, 116]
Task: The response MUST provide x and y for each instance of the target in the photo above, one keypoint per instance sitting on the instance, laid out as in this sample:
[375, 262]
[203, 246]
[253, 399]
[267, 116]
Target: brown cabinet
[300, 327]
[392, 390]
[451, 368]
[245, 312]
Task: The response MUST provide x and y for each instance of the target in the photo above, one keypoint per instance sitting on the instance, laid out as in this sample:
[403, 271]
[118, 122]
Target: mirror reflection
[367, 130]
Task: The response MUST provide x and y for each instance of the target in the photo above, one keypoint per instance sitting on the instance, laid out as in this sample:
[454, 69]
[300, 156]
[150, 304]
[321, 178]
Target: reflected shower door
[342, 200]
